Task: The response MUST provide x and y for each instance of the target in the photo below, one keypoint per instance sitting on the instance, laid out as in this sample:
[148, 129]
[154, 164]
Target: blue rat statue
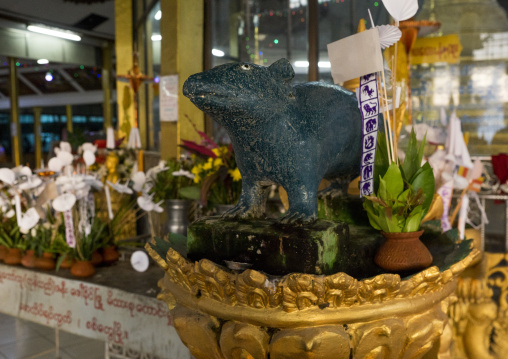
[292, 136]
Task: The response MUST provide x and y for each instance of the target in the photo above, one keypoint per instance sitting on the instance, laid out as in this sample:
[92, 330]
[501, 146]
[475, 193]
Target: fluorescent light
[156, 37]
[324, 64]
[158, 15]
[301, 63]
[54, 32]
[43, 61]
[217, 52]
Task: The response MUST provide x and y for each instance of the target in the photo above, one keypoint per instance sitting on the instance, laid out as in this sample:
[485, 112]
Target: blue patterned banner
[369, 106]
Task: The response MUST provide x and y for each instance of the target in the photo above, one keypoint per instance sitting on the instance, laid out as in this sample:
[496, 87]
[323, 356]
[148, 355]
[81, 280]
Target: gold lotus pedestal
[220, 313]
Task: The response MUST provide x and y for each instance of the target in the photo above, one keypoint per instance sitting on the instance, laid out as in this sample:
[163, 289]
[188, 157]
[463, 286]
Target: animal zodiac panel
[369, 106]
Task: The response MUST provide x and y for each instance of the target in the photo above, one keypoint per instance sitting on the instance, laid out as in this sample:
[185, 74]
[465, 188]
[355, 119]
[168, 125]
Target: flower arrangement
[218, 175]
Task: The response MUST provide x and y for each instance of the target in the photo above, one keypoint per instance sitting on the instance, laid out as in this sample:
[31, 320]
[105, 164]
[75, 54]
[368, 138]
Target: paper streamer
[369, 106]
[446, 191]
[70, 238]
[134, 139]
[108, 201]
[464, 209]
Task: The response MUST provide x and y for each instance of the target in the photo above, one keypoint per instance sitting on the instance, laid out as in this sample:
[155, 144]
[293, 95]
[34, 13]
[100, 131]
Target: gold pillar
[15, 125]
[182, 55]
[37, 136]
[68, 114]
[124, 51]
[142, 91]
[107, 71]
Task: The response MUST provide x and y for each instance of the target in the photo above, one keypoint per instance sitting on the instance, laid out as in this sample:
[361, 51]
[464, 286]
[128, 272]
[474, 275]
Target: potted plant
[402, 197]
[86, 245]
[12, 239]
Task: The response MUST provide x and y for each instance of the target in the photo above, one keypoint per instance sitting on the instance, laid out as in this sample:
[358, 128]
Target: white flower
[64, 202]
[32, 182]
[33, 232]
[10, 213]
[28, 220]
[121, 188]
[65, 157]
[139, 180]
[55, 164]
[7, 176]
[88, 157]
[87, 146]
[183, 173]
[147, 204]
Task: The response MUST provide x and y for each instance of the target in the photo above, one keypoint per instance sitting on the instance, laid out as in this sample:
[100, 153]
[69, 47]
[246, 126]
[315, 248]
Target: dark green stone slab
[324, 247]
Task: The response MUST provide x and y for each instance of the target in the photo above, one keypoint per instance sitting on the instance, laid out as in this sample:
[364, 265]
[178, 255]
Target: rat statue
[292, 136]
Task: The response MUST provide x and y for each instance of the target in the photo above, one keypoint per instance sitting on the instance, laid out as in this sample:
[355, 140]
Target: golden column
[15, 125]
[124, 50]
[37, 136]
[181, 54]
[68, 114]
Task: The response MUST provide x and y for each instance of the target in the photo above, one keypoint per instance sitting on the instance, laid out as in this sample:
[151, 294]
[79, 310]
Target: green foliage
[87, 244]
[404, 193]
[10, 236]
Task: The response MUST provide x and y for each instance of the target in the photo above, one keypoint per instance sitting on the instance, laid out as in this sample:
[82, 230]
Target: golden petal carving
[316, 342]
[198, 331]
[378, 339]
[423, 331]
[241, 341]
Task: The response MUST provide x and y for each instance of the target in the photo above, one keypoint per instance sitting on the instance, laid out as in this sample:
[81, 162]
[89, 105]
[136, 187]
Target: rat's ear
[282, 69]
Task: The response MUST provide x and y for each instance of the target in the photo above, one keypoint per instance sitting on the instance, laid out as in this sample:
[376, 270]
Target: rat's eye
[245, 67]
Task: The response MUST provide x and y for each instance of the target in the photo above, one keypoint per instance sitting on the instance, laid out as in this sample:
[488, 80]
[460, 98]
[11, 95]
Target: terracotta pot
[96, 258]
[82, 269]
[403, 252]
[28, 259]
[110, 255]
[3, 252]
[67, 262]
[46, 262]
[13, 256]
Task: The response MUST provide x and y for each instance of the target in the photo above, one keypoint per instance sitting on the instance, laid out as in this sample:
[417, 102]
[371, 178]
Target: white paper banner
[446, 191]
[168, 95]
[70, 238]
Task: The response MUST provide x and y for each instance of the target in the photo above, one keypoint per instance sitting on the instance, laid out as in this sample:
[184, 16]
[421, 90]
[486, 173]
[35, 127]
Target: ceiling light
[43, 61]
[324, 64]
[54, 32]
[158, 15]
[156, 37]
[48, 77]
[301, 63]
[217, 52]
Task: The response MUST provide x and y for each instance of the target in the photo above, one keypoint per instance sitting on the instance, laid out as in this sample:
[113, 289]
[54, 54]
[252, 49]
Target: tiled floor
[20, 339]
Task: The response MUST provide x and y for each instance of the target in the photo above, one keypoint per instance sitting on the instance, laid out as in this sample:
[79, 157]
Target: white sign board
[135, 321]
[168, 96]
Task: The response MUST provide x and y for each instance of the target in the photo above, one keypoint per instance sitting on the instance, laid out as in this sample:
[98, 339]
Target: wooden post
[68, 113]
[313, 39]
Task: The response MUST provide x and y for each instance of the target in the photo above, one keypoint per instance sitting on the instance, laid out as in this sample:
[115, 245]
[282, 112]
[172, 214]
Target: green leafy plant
[403, 193]
[10, 236]
[87, 244]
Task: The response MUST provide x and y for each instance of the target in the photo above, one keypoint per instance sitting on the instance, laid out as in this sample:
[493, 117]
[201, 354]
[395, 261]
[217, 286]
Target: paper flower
[55, 164]
[388, 35]
[7, 176]
[181, 172]
[65, 157]
[139, 179]
[146, 204]
[64, 146]
[30, 183]
[28, 220]
[64, 202]
[87, 146]
[89, 157]
[120, 188]
[93, 182]
[401, 10]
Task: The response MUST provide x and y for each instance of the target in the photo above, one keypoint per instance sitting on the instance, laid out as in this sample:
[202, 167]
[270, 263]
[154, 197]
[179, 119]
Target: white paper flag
[110, 138]
[355, 56]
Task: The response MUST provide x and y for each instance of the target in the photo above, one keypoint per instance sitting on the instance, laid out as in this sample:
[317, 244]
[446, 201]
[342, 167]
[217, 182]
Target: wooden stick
[388, 130]
[459, 204]
[394, 91]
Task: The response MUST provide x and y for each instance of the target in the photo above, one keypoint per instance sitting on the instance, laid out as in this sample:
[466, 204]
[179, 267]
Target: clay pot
[46, 262]
[82, 269]
[28, 259]
[403, 252]
[13, 256]
[96, 258]
[3, 252]
[110, 255]
[67, 262]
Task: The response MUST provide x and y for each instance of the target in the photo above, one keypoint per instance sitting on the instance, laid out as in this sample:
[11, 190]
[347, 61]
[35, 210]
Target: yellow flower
[197, 179]
[208, 165]
[217, 162]
[235, 174]
[216, 151]
[196, 170]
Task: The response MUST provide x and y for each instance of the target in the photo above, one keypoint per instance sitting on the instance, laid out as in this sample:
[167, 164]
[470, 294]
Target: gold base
[223, 314]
